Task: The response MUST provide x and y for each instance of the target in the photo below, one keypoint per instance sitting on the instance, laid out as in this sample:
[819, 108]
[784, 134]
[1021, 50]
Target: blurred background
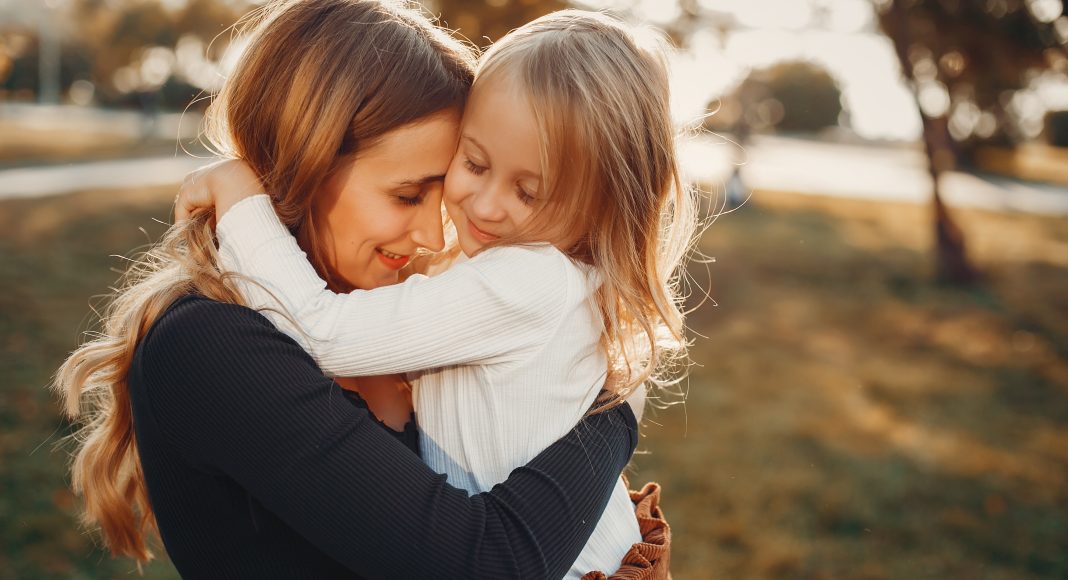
[881, 325]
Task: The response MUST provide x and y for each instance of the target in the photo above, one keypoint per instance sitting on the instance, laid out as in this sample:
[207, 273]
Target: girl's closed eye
[473, 168]
[524, 197]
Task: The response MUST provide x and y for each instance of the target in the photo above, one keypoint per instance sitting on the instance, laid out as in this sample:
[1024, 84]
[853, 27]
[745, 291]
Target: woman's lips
[479, 234]
[393, 263]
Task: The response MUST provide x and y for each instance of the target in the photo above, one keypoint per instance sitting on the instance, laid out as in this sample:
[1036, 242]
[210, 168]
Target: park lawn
[851, 419]
[1029, 161]
[846, 417]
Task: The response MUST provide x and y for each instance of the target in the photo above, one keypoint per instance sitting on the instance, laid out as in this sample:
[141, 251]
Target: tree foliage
[979, 54]
[484, 21]
[102, 37]
[113, 35]
[795, 96]
[961, 56]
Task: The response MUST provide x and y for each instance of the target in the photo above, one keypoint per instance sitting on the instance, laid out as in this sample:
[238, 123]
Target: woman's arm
[237, 396]
[486, 309]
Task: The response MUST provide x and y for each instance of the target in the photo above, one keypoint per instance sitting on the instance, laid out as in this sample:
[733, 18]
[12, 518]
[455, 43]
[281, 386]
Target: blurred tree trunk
[951, 257]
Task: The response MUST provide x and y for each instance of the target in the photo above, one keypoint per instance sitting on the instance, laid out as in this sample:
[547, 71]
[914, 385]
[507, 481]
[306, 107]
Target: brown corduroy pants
[649, 559]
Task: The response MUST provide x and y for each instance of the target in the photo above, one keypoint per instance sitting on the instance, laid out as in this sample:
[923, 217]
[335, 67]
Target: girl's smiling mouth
[480, 234]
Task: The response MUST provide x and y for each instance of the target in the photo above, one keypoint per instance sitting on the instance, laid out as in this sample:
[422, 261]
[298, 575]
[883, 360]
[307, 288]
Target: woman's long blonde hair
[600, 96]
[319, 81]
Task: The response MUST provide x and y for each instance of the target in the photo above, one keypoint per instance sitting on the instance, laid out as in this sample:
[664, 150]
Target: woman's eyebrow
[422, 180]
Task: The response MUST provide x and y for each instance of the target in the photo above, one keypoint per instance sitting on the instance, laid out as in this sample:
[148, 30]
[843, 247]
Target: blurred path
[166, 125]
[878, 172]
[128, 173]
[42, 180]
[874, 172]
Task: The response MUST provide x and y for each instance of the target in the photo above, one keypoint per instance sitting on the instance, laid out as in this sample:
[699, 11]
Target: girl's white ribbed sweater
[506, 346]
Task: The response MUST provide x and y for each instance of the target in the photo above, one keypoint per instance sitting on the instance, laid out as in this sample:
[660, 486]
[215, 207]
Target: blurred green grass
[846, 418]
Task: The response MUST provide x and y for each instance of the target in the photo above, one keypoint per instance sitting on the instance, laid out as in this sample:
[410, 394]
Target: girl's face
[379, 210]
[494, 180]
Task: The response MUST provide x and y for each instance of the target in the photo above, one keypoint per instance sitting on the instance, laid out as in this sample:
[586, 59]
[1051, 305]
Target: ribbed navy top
[258, 466]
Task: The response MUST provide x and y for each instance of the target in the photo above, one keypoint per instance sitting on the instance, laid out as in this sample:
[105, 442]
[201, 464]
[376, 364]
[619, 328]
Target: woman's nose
[428, 232]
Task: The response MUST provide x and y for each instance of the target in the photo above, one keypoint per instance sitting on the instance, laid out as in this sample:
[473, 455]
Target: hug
[319, 373]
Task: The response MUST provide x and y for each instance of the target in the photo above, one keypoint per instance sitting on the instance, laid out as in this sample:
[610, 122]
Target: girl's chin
[468, 245]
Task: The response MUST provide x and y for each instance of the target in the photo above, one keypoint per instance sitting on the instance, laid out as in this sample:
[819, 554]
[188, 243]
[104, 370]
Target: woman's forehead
[414, 152]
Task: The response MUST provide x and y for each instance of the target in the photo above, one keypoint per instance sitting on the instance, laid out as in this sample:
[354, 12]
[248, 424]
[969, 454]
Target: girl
[565, 195]
[205, 423]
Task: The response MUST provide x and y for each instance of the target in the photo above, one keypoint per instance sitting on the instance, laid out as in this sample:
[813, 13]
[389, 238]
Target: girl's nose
[486, 205]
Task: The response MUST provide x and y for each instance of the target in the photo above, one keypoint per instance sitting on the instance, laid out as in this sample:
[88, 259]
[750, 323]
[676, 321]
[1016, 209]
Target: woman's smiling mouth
[391, 260]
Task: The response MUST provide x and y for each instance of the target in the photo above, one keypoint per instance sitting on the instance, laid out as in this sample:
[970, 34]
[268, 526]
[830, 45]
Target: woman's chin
[379, 280]
[369, 279]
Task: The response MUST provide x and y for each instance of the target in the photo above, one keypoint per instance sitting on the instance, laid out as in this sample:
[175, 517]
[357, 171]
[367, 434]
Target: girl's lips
[392, 263]
[479, 234]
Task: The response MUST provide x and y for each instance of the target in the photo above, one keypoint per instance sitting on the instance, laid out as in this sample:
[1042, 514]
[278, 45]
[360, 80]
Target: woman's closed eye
[410, 199]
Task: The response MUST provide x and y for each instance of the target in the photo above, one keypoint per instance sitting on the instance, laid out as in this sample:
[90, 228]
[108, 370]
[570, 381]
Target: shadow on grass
[851, 419]
[55, 254]
[848, 418]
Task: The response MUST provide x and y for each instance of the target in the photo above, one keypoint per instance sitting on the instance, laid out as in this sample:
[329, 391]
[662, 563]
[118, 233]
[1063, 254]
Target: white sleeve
[487, 309]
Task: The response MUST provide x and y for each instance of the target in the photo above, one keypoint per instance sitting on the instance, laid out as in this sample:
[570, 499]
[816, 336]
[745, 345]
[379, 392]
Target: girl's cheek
[453, 186]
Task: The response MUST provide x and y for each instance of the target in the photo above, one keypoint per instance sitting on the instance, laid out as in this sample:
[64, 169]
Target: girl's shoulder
[535, 277]
[526, 261]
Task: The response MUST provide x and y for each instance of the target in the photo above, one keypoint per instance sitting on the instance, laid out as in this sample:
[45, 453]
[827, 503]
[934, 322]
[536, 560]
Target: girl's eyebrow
[474, 142]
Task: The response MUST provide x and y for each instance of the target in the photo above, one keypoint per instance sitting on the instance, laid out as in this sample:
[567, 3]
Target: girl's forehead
[497, 107]
[500, 122]
[500, 81]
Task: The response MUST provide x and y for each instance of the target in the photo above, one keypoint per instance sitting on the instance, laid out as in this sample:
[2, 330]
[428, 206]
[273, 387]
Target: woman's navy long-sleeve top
[258, 467]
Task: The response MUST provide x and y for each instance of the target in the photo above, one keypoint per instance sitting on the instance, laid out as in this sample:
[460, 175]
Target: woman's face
[495, 177]
[378, 211]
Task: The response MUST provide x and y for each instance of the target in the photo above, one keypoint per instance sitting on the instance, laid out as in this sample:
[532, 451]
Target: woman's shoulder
[199, 313]
[194, 323]
[199, 350]
[192, 305]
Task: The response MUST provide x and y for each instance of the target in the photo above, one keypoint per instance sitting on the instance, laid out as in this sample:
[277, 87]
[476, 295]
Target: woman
[206, 423]
[583, 293]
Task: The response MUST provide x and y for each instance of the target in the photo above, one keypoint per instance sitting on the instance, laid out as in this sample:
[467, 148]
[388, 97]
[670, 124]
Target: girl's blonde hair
[320, 81]
[600, 96]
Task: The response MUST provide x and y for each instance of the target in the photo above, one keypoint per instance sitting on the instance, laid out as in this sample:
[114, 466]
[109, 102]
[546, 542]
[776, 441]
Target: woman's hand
[220, 185]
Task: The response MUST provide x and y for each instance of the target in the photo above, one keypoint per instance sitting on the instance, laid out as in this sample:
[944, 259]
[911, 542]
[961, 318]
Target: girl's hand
[220, 185]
